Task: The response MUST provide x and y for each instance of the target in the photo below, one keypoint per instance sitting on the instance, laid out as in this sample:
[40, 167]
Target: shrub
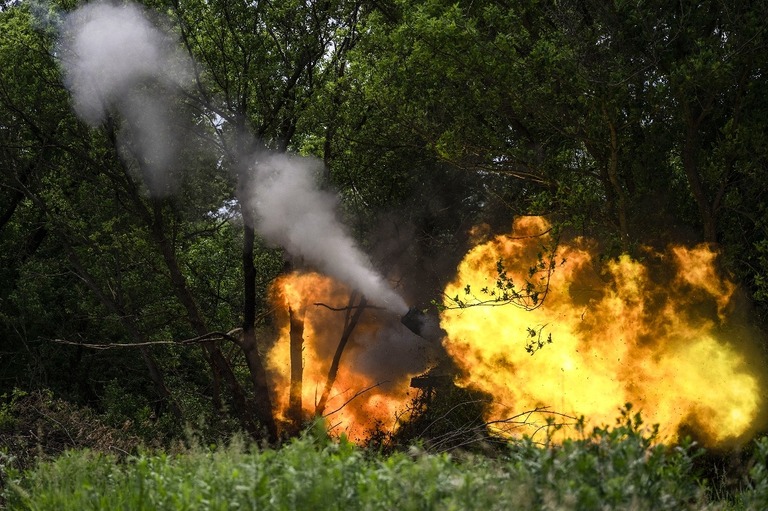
[37, 426]
[610, 468]
[755, 496]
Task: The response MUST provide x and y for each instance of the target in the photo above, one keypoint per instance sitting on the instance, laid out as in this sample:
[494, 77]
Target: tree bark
[263, 404]
[220, 367]
[691, 168]
[296, 350]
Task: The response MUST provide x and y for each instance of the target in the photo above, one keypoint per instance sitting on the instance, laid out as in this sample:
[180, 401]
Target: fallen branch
[211, 336]
[59, 424]
[495, 431]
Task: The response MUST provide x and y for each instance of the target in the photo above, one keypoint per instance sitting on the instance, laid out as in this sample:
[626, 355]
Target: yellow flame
[652, 333]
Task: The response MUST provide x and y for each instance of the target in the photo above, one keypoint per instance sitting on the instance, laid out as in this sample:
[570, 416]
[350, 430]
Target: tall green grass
[618, 468]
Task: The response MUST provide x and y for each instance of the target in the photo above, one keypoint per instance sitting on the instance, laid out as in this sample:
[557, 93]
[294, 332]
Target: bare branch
[211, 336]
[498, 430]
[357, 394]
[348, 308]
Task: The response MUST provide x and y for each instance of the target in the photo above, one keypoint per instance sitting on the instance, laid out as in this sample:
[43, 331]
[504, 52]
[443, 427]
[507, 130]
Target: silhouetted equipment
[430, 384]
[424, 324]
[414, 321]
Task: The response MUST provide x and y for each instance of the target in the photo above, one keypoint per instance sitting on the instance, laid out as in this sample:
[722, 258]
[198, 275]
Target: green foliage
[761, 280]
[529, 295]
[755, 495]
[612, 468]
[130, 410]
[7, 404]
[623, 467]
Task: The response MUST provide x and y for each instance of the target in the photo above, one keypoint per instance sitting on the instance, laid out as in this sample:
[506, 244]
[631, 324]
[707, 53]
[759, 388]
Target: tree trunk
[296, 350]
[613, 176]
[690, 166]
[621, 197]
[263, 404]
[219, 365]
[154, 220]
[156, 375]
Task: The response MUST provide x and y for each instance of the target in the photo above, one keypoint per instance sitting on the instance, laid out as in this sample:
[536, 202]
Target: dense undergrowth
[612, 468]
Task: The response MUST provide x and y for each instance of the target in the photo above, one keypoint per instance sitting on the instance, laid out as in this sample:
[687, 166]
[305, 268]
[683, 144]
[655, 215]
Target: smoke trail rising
[116, 59]
[293, 213]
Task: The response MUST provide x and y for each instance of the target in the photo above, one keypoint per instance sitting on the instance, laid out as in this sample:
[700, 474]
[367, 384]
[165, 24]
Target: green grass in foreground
[617, 468]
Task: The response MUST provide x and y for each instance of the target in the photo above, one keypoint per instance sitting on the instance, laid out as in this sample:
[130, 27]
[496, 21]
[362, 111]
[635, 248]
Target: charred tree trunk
[297, 369]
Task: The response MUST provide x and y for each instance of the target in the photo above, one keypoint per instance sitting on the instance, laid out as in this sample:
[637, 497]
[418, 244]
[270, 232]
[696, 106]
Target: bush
[610, 468]
[755, 497]
[35, 426]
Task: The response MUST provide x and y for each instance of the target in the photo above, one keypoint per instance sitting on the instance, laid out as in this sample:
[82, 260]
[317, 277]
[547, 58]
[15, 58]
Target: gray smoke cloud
[116, 59]
[293, 213]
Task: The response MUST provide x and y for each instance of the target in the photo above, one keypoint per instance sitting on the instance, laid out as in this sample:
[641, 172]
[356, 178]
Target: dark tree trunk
[691, 168]
[219, 365]
[296, 350]
[613, 175]
[263, 405]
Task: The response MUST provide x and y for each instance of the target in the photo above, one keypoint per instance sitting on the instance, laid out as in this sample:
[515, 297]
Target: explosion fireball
[658, 333]
[536, 326]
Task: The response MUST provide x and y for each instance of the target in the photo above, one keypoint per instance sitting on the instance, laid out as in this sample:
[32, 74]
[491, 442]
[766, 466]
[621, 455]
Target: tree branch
[229, 336]
[349, 307]
[357, 394]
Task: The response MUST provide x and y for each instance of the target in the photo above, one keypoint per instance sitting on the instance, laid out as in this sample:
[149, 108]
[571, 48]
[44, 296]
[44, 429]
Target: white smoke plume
[115, 58]
[293, 213]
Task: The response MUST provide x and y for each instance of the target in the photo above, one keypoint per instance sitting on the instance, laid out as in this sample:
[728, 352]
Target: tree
[263, 65]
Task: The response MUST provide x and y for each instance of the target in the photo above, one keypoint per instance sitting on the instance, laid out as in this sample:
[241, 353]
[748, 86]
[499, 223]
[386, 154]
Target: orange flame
[365, 393]
[657, 334]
